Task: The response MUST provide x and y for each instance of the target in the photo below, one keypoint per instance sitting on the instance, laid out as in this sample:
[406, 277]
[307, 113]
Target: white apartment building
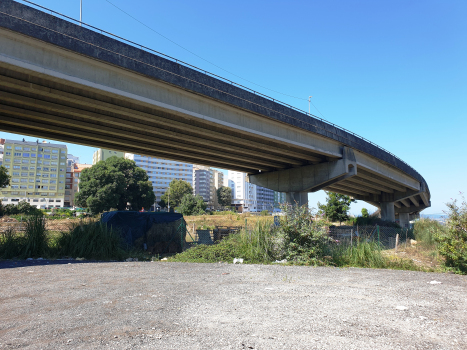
[247, 197]
[162, 171]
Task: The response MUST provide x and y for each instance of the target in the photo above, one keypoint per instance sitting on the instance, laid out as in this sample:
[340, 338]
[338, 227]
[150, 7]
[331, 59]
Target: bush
[452, 242]
[10, 244]
[94, 240]
[300, 238]
[264, 213]
[426, 230]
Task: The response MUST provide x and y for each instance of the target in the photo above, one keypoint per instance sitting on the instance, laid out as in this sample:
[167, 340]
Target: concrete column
[387, 211]
[298, 198]
[404, 220]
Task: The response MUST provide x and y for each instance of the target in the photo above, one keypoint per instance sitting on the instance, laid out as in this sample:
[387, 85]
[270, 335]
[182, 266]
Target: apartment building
[77, 168]
[38, 173]
[104, 154]
[162, 171]
[247, 197]
[206, 181]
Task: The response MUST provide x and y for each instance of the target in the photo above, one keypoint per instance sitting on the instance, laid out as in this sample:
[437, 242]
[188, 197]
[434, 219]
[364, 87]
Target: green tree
[224, 196]
[452, 242]
[365, 213]
[112, 184]
[177, 189]
[4, 177]
[192, 205]
[337, 207]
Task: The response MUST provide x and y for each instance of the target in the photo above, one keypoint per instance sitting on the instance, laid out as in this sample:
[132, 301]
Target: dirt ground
[160, 305]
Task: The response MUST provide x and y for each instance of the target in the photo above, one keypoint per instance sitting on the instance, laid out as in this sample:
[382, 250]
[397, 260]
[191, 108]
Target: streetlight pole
[309, 102]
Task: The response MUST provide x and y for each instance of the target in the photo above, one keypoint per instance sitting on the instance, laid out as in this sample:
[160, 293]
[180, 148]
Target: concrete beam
[359, 186]
[405, 202]
[374, 178]
[414, 201]
[370, 184]
[411, 209]
[308, 178]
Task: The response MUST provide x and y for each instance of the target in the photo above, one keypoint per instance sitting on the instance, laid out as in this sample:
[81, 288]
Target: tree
[224, 196]
[177, 189]
[452, 241]
[365, 213]
[112, 184]
[337, 207]
[192, 205]
[4, 177]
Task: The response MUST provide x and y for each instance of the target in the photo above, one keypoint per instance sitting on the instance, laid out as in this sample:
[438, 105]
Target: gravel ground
[160, 305]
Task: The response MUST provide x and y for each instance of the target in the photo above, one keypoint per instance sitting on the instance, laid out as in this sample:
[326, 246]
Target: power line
[215, 65]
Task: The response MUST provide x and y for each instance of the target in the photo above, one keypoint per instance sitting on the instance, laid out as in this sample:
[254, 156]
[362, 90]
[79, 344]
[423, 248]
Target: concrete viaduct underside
[65, 82]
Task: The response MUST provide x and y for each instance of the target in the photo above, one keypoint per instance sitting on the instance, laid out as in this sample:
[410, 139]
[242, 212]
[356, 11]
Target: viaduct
[71, 83]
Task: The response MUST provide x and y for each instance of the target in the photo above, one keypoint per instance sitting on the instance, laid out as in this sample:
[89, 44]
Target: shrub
[264, 213]
[10, 244]
[452, 243]
[301, 239]
[426, 230]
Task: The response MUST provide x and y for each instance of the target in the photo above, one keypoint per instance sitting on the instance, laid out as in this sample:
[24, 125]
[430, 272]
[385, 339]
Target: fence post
[397, 242]
[377, 229]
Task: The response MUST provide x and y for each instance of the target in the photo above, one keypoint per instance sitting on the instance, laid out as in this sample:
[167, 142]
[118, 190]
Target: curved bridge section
[61, 81]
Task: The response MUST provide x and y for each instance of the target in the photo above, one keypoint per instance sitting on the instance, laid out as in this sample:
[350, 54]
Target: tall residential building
[248, 197]
[279, 198]
[103, 154]
[38, 173]
[70, 186]
[162, 171]
[77, 168]
[206, 181]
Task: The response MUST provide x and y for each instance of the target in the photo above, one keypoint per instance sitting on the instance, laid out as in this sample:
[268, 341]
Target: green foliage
[192, 205]
[264, 213]
[452, 243]
[35, 243]
[365, 213]
[426, 230]
[254, 246]
[300, 238]
[336, 208]
[22, 208]
[361, 254]
[224, 196]
[177, 189]
[10, 244]
[4, 177]
[112, 184]
[94, 240]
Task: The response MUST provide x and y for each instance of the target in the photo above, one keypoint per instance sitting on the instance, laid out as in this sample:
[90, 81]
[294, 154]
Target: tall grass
[35, 238]
[361, 254]
[10, 244]
[425, 231]
[94, 240]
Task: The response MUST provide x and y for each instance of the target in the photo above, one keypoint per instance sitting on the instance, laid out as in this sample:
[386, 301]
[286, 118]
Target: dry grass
[211, 221]
[422, 255]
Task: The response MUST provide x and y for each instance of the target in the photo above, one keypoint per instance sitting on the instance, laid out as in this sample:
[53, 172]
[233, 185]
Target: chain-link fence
[386, 236]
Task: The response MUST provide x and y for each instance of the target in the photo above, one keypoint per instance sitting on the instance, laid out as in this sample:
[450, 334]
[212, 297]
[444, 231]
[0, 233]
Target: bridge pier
[387, 211]
[404, 220]
[297, 198]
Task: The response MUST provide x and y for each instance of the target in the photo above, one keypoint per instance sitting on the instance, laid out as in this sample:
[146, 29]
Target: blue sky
[393, 72]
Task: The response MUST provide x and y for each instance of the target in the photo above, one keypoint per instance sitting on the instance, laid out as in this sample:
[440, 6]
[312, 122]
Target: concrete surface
[140, 305]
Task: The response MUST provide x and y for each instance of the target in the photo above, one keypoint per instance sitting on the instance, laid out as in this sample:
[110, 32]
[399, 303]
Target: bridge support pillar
[404, 220]
[387, 211]
[297, 198]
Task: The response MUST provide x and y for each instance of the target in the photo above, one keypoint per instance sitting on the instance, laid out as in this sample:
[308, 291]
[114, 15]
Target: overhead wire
[215, 65]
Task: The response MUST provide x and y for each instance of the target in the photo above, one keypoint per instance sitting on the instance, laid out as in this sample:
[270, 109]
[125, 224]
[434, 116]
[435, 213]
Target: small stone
[401, 308]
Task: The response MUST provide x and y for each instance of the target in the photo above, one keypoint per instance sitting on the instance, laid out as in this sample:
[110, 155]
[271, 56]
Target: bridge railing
[145, 48]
